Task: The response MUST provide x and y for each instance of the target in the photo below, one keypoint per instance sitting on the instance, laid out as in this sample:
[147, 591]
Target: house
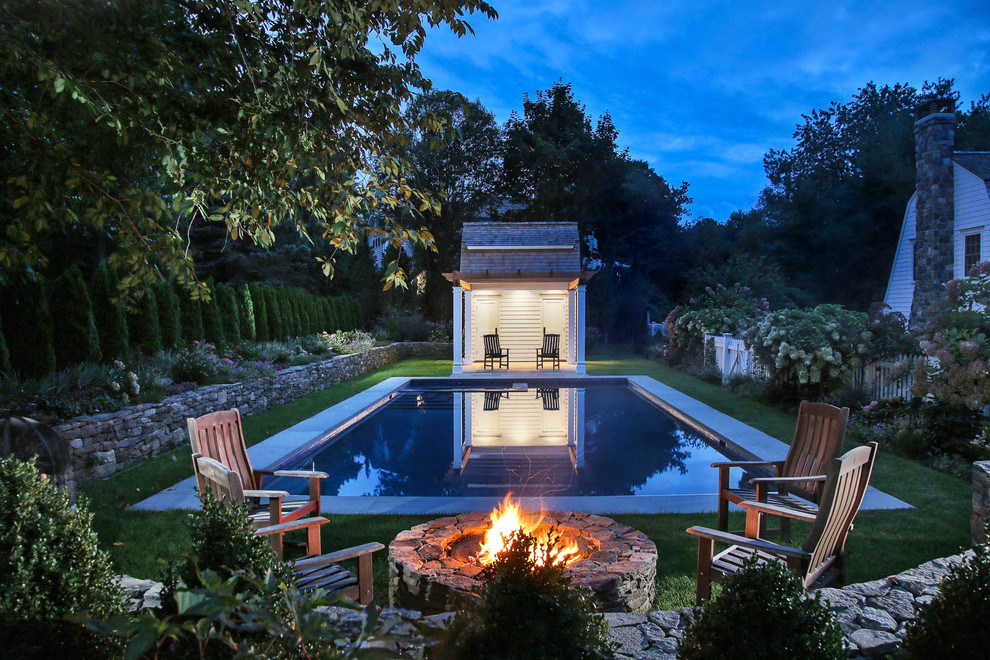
[519, 279]
[946, 227]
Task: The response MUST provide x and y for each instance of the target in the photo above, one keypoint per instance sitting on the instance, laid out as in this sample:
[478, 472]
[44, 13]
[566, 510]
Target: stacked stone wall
[104, 444]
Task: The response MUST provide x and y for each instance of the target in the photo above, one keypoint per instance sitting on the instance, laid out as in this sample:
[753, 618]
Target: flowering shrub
[955, 343]
[812, 346]
[348, 341]
[202, 364]
[720, 310]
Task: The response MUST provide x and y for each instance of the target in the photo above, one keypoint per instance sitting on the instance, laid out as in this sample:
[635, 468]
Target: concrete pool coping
[293, 441]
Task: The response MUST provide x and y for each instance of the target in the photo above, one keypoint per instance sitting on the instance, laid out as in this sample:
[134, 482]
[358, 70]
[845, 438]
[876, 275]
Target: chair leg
[313, 542]
[365, 581]
[723, 503]
[704, 589]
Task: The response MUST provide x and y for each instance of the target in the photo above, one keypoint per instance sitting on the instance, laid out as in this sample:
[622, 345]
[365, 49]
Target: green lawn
[882, 543]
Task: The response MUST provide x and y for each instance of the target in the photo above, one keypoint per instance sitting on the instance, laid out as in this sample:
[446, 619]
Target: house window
[971, 252]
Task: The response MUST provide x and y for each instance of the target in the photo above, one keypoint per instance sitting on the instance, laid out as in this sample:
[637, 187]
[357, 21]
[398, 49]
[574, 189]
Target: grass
[883, 542]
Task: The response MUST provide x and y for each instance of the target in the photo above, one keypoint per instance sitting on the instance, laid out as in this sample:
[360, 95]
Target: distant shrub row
[70, 322]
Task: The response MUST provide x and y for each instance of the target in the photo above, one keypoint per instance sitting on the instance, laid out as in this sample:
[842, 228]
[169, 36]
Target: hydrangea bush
[720, 310]
[956, 344]
[812, 346]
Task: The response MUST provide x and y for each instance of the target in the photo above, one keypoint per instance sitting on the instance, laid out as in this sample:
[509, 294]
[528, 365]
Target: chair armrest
[282, 528]
[294, 473]
[775, 510]
[755, 544]
[338, 556]
[746, 463]
[786, 480]
[265, 493]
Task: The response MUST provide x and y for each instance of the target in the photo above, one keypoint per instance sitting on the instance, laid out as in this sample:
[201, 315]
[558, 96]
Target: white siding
[520, 421]
[520, 322]
[972, 215]
[900, 286]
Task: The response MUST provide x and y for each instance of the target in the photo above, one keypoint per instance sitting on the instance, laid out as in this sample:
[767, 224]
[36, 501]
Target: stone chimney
[934, 137]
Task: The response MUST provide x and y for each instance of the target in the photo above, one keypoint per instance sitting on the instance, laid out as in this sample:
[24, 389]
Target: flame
[509, 517]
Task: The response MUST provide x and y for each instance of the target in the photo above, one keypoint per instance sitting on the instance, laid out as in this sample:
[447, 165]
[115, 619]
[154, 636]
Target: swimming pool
[455, 438]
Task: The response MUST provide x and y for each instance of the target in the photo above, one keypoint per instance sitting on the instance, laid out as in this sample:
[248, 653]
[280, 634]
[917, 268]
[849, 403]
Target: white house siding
[972, 215]
[900, 286]
[520, 322]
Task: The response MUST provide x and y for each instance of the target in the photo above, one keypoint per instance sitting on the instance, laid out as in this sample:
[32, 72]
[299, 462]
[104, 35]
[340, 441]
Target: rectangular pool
[455, 438]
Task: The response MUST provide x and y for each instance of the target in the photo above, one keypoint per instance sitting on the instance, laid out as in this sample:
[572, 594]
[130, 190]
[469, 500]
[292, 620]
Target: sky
[702, 90]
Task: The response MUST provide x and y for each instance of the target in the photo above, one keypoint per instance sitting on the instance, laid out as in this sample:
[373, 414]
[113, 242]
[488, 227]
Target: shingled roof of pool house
[519, 280]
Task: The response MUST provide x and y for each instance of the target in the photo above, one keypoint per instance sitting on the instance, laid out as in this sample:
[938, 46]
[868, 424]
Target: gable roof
[977, 162]
[528, 247]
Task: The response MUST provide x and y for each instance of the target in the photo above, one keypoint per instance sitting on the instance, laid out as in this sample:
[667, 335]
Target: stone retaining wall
[981, 501]
[873, 616]
[104, 444]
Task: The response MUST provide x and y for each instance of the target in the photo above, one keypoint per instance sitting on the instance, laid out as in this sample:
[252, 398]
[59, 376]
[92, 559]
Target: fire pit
[434, 567]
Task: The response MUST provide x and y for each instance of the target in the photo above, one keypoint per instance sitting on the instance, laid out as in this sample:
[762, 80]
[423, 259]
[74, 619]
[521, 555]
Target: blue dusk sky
[702, 90]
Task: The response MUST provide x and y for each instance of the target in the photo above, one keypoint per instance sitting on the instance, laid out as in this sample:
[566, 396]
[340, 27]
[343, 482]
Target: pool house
[519, 280]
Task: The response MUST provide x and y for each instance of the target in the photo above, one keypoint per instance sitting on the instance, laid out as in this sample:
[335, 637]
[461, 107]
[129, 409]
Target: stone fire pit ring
[620, 568]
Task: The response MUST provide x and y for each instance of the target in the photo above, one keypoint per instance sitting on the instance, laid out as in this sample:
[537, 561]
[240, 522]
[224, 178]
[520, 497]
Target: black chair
[550, 350]
[493, 399]
[550, 396]
[494, 351]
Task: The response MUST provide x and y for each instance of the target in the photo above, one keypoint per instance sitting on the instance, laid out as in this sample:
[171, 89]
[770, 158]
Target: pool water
[541, 438]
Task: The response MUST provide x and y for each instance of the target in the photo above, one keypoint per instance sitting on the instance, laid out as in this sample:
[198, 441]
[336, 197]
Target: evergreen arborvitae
[110, 319]
[327, 315]
[76, 340]
[275, 330]
[142, 325]
[335, 313]
[190, 316]
[4, 353]
[168, 314]
[290, 315]
[260, 302]
[28, 328]
[229, 316]
[212, 326]
[356, 313]
[245, 313]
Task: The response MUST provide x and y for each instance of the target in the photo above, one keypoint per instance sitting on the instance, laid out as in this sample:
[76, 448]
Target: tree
[557, 166]
[462, 166]
[191, 316]
[4, 353]
[245, 313]
[168, 315]
[142, 325]
[212, 325]
[141, 120]
[229, 313]
[276, 329]
[111, 323]
[260, 302]
[27, 324]
[77, 340]
[836, 200]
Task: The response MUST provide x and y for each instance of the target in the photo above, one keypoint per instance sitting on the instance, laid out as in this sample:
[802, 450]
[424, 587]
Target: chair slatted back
[493, 399]
[492, 345]
[818, 437]
[551, 345]
[551, 397]
[845, 486]
[215, 475]
[219, 436]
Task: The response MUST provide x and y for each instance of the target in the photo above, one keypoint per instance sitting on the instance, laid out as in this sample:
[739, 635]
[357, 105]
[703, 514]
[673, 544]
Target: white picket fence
[734, 358]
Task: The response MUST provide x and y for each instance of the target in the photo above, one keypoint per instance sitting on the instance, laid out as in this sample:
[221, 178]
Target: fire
[507, 518]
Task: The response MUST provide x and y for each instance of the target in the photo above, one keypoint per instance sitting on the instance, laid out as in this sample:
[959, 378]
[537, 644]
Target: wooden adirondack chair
[819, 562]
[316, 570]
[549, 351]
[218, 436]
[494, 351]
[818, 438]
